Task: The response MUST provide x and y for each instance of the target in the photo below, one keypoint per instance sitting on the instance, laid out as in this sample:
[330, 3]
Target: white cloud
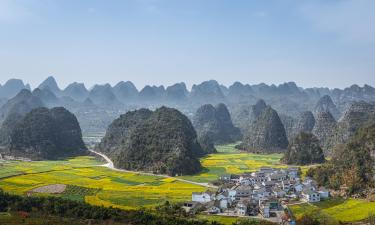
[351, 20]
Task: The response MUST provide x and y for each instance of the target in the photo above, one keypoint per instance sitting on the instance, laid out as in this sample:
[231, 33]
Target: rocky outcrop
[324, 128]
[288, 123]
[176, 92]
[126, 92]
[244, 117]
[304, 149]
[239, 92]
[151, 94]
[51, 84]
[305, 122]
[325, 104]
[12, 87]
[21, 104]
[163, 141]
[102, 95]
[357, 115]
[215, 123]
[48, 98]
[76, 91]
[207, 92]
[47, 134]
[267, 134]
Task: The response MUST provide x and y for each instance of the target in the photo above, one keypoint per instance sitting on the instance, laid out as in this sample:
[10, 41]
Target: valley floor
[86, 179]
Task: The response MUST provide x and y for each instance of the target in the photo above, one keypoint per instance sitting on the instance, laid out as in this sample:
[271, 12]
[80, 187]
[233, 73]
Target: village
[262, 194]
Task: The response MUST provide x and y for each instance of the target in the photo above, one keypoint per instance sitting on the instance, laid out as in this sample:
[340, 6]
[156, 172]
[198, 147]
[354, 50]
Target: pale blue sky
[314, 43]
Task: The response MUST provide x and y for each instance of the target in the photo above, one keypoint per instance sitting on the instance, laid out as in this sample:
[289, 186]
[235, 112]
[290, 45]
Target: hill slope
[163, 141]
[46, 134]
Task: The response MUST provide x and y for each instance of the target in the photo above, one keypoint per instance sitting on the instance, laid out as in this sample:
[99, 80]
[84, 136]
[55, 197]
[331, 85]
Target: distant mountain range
[206, 92]
[280, 111]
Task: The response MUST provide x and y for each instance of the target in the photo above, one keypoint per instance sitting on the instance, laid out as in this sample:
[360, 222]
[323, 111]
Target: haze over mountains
[268, 116]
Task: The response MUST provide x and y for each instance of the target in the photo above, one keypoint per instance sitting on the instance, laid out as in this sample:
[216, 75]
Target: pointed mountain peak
[50, 83]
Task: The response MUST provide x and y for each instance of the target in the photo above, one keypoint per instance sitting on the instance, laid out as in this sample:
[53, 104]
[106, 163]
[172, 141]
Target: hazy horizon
[157, 42]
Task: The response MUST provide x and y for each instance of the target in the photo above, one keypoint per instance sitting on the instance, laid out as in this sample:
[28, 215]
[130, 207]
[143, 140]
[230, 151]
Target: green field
[229, 160]
[227, 220]
[101, 186]
[94, 184]
[349, 210]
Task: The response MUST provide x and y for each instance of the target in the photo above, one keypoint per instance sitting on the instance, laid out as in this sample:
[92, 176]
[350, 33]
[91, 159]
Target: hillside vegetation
[47, 134]
[163, 141]
[352, 165]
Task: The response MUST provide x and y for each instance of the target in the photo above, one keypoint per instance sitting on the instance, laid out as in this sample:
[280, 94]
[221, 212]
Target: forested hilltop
[45, 134]
[161, 141]
[352, 167]
[98, 106]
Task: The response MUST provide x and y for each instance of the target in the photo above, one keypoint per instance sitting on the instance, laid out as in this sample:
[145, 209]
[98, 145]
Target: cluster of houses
[263, 192]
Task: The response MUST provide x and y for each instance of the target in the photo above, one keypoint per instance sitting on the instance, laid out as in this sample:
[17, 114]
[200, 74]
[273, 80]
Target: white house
[310, 196]
[293, 172]
[241, 208]
[324, 193]
[232, 194]
[265, 210]
[213, 210]
[201, 197]
[298, 187]
[224, 202]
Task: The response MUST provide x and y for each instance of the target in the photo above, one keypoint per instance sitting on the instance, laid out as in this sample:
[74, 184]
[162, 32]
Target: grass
[348, 210]
[42, 219]
[226, 220]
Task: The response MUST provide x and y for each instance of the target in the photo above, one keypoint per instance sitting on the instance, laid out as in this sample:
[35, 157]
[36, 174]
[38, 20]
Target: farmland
[228, 160]
[94, 184]
[85, 180]
[348, 210]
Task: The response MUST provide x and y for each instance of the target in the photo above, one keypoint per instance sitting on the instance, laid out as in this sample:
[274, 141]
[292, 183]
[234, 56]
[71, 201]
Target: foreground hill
[304, 149]
[14, 110]
[162, 141]
[267, 133]
[352, 165]
[46, 134]
[216, 124]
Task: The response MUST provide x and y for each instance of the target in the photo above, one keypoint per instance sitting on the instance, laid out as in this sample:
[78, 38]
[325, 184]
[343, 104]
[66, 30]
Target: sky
[316, 43]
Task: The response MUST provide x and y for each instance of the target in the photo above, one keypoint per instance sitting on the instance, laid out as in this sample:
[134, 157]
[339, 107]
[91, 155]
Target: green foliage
[316, 217]
[352, 165]
[253, 222]
[304, 149]
[163, 141]
[64, 208]
[80, 191]
[47, 134]
[214, 125]
[267, 134]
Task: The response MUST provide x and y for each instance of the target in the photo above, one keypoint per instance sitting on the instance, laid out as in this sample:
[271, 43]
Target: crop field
[86, 181]
[348, 210]
[229, 160]
[94, 184]
[227, 220]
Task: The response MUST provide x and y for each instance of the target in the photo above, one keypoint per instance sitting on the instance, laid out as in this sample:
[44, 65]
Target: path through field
[111, 166]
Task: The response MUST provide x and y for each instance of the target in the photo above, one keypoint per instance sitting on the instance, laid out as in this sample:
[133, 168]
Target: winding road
[111, 166]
